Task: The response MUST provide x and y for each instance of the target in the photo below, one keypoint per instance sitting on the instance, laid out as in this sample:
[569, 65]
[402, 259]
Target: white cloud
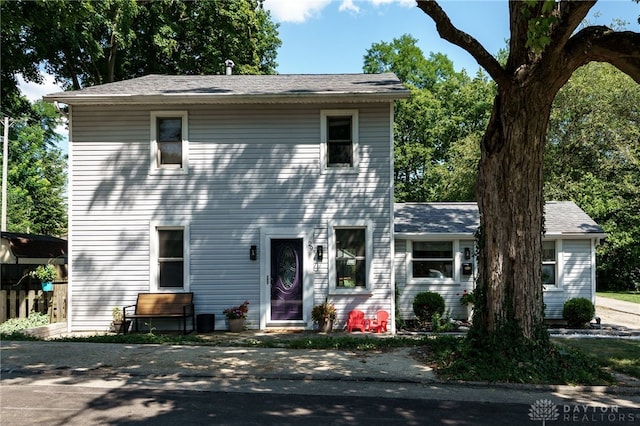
[348, 5]
[406, 3]
[298, 11]
[34, 91]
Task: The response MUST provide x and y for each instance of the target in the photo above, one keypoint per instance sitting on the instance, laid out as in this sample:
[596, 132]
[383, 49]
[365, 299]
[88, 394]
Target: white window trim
[154, 250]
[559, 268]
[324, 166]
[457, 264]
[367, 225]
[155, 168]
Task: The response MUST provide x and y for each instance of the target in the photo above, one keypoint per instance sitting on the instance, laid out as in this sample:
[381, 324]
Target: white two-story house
[276, 189]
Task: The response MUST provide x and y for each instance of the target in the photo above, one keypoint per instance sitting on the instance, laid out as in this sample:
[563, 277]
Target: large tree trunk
[509, 193]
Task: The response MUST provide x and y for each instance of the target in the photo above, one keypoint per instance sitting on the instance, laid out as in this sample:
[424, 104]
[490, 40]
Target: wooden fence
[19, 303]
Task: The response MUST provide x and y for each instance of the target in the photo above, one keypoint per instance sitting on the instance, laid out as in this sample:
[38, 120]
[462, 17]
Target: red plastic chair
[356, 320]
[379, 324]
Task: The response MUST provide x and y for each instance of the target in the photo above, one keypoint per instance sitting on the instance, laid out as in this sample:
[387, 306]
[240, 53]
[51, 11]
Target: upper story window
[339, 137]
[169, 257]
[432, 259]
[169, 146]
[549, 263]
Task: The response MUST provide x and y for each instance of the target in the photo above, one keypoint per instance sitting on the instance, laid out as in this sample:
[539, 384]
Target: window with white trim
[169, 258]
[169, 146]
[432, 259]
[339, 140]
[350, 248]
[351, 257]
[549, 264]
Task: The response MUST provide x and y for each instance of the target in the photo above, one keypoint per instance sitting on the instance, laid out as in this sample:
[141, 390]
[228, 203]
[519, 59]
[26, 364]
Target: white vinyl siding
[250, 167]
[575, 276]
[450, 288]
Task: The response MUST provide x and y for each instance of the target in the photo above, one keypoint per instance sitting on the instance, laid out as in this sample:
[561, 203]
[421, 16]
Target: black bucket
[206, 323]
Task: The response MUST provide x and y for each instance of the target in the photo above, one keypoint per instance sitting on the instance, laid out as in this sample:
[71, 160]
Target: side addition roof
[31, 248]
[156, 88]
[562, 218]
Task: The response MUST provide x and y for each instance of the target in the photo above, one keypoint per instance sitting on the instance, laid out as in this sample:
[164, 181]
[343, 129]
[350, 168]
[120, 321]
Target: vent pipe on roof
[229, 66]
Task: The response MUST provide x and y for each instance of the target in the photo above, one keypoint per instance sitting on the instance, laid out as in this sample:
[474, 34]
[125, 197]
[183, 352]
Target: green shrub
[426, 304]
[13, 325]
[578, 312]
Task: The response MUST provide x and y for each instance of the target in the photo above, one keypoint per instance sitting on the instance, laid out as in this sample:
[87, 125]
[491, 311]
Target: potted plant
[46, 274]
[118, 325]
[324, 315]
[468, 299]
[236, 316]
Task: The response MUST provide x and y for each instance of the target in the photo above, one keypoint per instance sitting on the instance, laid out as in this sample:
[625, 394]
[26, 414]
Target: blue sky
[332, 36]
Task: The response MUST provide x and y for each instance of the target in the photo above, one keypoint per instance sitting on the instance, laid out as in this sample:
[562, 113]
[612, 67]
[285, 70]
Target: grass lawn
[618, 354]
[627, 296]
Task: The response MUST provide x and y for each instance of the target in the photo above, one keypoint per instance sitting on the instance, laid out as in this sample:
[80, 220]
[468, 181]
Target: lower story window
[351, 260]
[170, 257]
[549, 263]
[432, 259]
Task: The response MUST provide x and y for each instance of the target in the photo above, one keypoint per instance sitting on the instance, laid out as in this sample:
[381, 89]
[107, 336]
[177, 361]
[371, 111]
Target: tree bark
[111, 60]
[509, 194]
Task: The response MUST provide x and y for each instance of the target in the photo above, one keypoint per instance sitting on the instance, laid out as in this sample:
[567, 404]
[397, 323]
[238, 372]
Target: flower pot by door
[469, 312]
[325, 326]
[236, 325]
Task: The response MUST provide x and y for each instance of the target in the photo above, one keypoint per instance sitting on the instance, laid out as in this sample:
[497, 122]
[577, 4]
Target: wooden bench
[162, 305]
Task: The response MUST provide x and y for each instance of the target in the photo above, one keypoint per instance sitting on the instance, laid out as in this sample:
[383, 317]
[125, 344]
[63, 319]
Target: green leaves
[84, 43]
[541, 18]
[593, 158]
[438, 128]
[36, 175]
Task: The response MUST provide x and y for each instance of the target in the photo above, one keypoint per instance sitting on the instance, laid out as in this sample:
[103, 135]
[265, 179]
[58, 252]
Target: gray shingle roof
[561, 217]
[222, 87]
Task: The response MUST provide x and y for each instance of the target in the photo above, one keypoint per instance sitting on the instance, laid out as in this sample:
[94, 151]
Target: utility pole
[5, 166]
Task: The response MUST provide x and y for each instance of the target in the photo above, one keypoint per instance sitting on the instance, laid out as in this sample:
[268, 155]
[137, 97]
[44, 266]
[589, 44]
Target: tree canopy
[438, 128]
[593, 158]
[84, 43]
[37, 174]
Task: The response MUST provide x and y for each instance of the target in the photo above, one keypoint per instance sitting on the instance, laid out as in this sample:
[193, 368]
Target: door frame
[272, 233]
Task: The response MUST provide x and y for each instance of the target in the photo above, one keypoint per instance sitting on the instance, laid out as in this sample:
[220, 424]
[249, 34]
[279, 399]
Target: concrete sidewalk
[394, 373]
[212, 361]
[233, 360]
[617, 313]
[620, 306]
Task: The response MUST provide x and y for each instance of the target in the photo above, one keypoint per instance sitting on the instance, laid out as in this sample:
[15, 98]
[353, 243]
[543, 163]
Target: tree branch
[571, 14]
[450, 33]
[601, 44]
[518, 32]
